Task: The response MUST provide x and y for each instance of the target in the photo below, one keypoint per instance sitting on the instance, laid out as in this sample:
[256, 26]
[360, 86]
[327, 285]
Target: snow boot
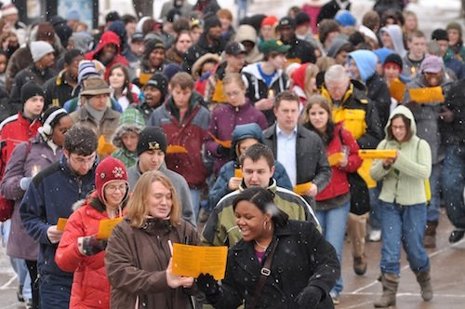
[429, 241]
[390, 284]
[424, 279]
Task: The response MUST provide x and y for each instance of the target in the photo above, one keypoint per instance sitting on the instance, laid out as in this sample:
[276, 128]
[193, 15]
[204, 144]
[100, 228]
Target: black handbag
[359, 194]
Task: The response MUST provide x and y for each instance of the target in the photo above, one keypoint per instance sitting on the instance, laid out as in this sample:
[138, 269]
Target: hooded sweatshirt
[395, 32]
[366, 63]
[404, 180]
[248, 33]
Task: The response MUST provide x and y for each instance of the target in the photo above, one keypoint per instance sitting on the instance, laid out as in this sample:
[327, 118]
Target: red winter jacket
[338, 184]
[91, 288]
[108, 37]
[13, 131]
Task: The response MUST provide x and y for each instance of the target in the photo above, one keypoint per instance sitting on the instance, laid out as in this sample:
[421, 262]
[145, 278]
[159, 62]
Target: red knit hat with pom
[109, 169]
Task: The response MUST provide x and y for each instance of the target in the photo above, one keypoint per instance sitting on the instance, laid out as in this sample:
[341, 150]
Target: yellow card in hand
[61, 224]
[335, 158]
[377, 154]
[106, 226]
[191, 261]
[302, 188]
[427, 95]
[238, 173]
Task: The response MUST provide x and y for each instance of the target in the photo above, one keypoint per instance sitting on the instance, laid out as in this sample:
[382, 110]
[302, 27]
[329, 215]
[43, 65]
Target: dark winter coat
[20, 59]
[50, 196]
[201, 48]
[330, 9]
[25, 159]
[311, 162]
[301, 51]
[57, 90]
[224, 119]
[190, 133]
[378, 93]
[136, 260]
[302, 258]
[453, 133]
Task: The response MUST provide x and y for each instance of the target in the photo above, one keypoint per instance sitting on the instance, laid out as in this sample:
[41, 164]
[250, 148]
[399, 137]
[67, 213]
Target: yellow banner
[191, 261]
[106, 226]
[427, 95]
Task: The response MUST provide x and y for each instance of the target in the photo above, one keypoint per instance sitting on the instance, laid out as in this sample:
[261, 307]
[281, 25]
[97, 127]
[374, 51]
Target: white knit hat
[39, 49]
[9, 9]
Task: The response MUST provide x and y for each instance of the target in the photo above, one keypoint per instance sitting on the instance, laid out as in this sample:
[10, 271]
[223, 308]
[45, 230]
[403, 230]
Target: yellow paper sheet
[238, 173]
[61, 224]
[302, 188]
[106, 226]
[377, 154]
[335, 158]
[191, 261]
[427, 95]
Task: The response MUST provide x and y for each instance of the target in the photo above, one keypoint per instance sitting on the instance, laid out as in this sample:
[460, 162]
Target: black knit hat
[439, 35]
[211, 22]
[394, 58]
[160, 82]
[151, 138]
[29, 90]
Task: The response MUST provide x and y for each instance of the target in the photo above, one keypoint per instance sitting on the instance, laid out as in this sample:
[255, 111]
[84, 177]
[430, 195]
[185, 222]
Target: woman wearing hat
[80, 250]
[28, 159]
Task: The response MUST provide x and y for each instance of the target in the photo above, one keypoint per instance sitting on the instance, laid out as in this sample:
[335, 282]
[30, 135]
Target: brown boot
[429, 241]
[390, 283]
[424, 279]
[360, 265]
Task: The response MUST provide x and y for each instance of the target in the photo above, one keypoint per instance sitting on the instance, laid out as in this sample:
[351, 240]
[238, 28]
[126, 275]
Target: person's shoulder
[50, 172]
[226, 201]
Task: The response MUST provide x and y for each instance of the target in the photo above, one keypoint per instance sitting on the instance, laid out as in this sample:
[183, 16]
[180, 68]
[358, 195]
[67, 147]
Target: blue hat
[73, 15]
[345, 18]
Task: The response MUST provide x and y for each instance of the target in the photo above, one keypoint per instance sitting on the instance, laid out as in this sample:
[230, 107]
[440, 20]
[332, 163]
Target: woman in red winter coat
[80, 251]
[333, 203]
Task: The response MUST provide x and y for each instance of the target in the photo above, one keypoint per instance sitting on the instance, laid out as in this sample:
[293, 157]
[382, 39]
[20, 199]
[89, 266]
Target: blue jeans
[435, 184]
[453, 182]
[54, 292]
[375, 203]
[404, 224]
[333, 223]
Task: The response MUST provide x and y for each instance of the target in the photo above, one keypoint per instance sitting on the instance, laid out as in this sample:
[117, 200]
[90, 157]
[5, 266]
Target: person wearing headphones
[28, 159]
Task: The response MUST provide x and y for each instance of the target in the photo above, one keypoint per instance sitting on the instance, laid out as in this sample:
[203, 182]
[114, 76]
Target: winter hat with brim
[94, 86]
[152, 138]
[197, 67]
[394, 59]
[39, 49]
[108, 170]
[270, 46]
[29, 90]
[432, 64]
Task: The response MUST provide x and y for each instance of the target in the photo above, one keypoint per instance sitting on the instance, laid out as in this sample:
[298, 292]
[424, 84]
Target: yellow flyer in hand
[238, 173]
[61, 224]
[302, 188]
[377, 154]
[335, 158]
[191, 261]
[106, 226]
[427, 95]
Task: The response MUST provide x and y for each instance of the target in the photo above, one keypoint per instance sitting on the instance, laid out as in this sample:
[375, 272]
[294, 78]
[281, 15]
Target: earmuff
[46, 128]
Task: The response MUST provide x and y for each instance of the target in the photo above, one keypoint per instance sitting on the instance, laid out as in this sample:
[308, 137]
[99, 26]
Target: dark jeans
[453, 183]
[55, 291]
[32, 267]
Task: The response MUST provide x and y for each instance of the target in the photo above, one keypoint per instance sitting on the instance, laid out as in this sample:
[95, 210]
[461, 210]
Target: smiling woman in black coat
[304, 266]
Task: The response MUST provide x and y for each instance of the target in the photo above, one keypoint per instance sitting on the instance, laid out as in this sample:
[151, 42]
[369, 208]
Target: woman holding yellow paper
[80, 251]
[333, 202]
[138, 259]
[403, 204]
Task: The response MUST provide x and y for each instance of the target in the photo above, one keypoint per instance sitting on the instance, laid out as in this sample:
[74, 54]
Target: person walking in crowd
[138, 255]
[27, 160]
[80, 251]
[301, 266]
[50, 196]
[301, 51]
[333, 202]
[403, 209]
[225, 117]
[122, 90]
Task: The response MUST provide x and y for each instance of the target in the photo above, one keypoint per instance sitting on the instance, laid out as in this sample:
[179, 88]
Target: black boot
[456, 236]
[19, 294]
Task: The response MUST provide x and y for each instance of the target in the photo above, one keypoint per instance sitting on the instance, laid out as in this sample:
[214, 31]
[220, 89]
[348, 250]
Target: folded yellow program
[106, 226]
[377, 154]
[335, 158]
[191, 261]
[302, 188]
[176, 149]
[427, 95]
[61, 224]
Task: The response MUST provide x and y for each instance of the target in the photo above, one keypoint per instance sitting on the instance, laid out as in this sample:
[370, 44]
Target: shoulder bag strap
[265, 272]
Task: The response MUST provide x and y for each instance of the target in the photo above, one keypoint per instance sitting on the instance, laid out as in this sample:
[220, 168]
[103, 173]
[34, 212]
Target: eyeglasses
[80, 160]
[232, 93]
[113, 188]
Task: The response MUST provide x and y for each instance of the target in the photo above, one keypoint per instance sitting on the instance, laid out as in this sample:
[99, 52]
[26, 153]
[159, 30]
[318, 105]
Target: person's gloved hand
[309, 297]
[207, 284]
[223, 151]
[24, 183]
[90, 245]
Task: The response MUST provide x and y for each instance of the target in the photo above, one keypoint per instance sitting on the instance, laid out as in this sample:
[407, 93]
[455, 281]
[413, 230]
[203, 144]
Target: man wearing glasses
[50, 197]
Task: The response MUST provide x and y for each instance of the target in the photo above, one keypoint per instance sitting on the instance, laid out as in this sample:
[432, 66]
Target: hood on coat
[298, 76]
[108, 37]
[395, 32]
[402, 110]
[248, 33]
[366, 63]
[243, 131]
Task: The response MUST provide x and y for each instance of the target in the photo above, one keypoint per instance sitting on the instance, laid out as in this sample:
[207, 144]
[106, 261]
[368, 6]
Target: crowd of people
[199, 128]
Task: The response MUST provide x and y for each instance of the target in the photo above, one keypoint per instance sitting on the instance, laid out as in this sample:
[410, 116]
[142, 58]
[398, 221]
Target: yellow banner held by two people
[427, 95]
[191, 261]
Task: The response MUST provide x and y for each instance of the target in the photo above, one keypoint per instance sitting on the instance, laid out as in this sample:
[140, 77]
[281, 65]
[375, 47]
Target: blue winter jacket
[50, 196]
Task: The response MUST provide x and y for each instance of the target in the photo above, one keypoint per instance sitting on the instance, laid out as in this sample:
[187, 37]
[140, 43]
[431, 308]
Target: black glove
[207, 284]
[309, 297]
[92, 245]
[223, 151]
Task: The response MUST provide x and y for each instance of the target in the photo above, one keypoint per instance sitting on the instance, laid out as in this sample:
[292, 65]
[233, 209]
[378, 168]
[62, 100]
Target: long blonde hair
[138, 209]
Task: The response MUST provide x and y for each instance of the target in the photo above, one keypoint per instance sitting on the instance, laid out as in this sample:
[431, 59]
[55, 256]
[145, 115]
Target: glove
[309, 297]
[24, 183]
[207, 284]
[223, 151]
[92, 245]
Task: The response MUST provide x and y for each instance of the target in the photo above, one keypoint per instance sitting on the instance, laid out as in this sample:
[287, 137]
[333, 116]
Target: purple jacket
[21, 164]
[224, 119]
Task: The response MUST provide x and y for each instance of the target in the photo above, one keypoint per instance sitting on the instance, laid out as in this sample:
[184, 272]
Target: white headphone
[46, 128]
